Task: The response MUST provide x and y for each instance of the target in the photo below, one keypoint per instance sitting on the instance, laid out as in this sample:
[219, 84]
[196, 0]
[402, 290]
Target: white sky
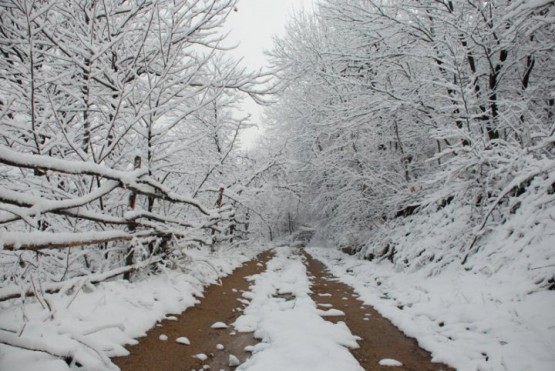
[252, 28]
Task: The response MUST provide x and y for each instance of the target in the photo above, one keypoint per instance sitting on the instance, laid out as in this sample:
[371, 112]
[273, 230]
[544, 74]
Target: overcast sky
[252, 27]
[257, 21]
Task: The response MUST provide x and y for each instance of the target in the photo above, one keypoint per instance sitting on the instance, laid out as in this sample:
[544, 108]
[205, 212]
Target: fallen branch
[39, 240]
[65, 353]
[35, 344]
[8, 293]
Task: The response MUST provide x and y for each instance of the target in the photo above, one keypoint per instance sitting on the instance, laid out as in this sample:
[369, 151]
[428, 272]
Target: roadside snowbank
[475, 287]
[466, 319]
[294, 335]
[95, 322]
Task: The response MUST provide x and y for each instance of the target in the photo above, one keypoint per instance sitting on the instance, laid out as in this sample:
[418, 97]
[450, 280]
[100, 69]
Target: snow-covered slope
[469, 321]
[92, 323]
[479, 298]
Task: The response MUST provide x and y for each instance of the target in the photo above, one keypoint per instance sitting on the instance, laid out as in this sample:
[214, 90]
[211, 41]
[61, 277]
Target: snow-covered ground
[94, 323]
[293, 334]
[477, 292]
[468, 320]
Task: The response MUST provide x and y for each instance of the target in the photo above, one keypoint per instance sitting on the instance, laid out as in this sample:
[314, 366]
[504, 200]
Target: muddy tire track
[221, 303]
[380, 339]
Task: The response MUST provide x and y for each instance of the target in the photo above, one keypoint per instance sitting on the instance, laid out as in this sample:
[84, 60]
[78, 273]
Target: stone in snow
[233, 361]
[390, 362]
[183, 340]
[219, 325]
[163, 337]
[201, 356]
[249, 348]
[331, 313]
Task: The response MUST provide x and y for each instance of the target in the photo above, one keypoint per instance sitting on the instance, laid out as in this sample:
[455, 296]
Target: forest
[417, 135]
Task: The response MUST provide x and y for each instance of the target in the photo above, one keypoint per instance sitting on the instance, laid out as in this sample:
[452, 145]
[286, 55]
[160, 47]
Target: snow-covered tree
[115, 115]
[395, 105]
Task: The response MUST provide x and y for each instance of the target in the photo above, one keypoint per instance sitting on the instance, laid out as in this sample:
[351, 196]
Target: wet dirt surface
[224, 303]
[221, 303]
[380, 339]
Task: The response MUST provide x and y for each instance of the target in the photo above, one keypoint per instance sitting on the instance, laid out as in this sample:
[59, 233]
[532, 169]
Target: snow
[464, 319]
[201, 356]
[293, 334]
[234, 361]
[220, 347]
[390, 362]
[69, 167]
[129, 179]
[489, 314]
[163, 337]
[183, 340]
[98, 321]
[482, 305]
[219, 325]
[18, 240]
[331, 312]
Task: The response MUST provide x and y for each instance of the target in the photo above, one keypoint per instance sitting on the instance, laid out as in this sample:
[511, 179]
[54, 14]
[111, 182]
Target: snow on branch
[38, 240]
[544, 167]
[136, 180]
[37, 205]
[13, 292]
[28, 161]
[28, 207]
[70, 354]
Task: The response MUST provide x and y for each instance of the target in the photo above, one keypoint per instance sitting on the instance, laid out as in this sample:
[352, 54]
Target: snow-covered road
[463, 319]
[307, 320]
[294, 335]
[303, 316]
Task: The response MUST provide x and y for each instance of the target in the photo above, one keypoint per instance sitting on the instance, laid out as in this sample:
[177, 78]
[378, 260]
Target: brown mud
[223, 303]
[219, 304]
[380, 339]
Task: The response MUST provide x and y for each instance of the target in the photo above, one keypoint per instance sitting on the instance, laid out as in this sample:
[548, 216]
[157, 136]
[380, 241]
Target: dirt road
[380, 339]
[220, 304]
[212, 348]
